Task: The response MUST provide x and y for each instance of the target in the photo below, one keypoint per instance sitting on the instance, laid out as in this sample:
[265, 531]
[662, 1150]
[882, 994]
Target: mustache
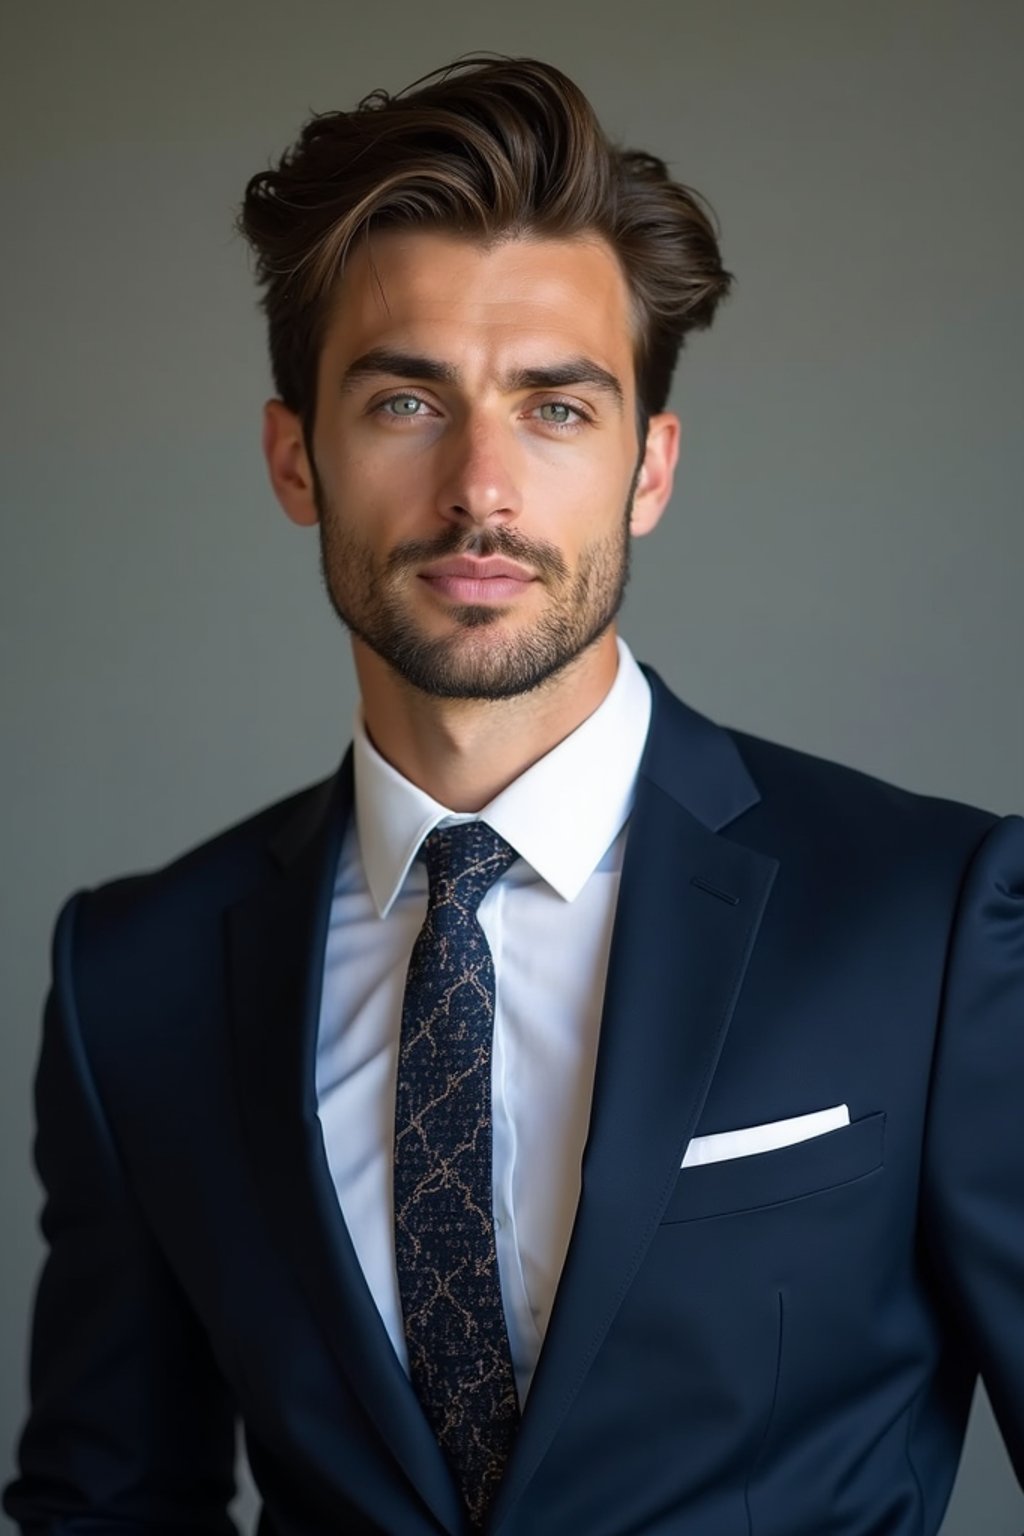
[542, 557]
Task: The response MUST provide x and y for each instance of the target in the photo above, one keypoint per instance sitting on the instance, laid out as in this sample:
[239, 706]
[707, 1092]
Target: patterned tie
[459, 1356]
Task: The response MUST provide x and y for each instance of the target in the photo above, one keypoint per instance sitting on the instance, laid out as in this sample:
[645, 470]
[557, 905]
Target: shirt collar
[561, 815]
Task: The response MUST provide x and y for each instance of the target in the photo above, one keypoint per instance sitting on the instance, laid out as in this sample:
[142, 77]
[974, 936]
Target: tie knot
[463, 861]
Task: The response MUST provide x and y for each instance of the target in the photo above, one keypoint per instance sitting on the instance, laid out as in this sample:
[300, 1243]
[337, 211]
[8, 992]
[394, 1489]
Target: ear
[291, 473]
[657, 472]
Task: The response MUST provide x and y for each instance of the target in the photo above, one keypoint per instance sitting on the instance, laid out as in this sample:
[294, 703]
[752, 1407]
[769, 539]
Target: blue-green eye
[556, 413]
[403, 405]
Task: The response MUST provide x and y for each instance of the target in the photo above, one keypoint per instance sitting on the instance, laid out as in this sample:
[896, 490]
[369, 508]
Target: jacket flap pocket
[788, 1173]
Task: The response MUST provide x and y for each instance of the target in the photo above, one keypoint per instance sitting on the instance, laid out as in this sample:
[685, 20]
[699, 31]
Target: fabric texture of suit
[783, 1344]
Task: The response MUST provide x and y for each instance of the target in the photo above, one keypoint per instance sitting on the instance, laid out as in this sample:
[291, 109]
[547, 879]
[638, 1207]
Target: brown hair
[490, 148]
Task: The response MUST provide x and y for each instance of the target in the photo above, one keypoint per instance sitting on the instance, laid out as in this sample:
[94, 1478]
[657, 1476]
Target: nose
[480, 480]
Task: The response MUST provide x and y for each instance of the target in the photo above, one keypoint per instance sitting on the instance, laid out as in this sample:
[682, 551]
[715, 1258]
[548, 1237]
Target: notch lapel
[689, 908]
[276, 941]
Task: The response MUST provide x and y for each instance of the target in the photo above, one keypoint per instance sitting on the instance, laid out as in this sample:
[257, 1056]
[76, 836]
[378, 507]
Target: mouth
[465, 580]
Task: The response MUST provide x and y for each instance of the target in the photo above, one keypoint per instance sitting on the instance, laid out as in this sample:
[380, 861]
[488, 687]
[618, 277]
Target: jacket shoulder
[832, 800]
[176, 902]
[778, 796]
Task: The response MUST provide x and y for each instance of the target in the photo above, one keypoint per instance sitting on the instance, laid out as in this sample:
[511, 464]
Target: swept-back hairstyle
[489, 148]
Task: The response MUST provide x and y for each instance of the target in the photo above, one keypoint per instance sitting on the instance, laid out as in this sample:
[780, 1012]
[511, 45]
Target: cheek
[374, 492]
[595, 465]
[583, 503]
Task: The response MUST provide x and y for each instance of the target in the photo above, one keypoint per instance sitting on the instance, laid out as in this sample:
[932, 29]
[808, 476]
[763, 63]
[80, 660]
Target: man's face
[475, 456]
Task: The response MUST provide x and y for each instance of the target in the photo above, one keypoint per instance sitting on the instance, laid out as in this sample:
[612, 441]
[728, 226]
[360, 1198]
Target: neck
[463, 752]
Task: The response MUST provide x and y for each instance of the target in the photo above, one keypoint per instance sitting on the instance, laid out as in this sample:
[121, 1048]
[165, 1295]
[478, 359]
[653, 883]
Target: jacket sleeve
[974, 1158]
[130, 1428]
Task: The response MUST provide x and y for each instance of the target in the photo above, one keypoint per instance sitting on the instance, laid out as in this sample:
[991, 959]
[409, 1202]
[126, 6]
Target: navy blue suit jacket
[780, 1345]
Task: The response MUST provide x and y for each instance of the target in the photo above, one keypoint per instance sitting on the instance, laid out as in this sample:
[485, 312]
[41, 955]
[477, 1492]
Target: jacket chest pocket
[788, 1173]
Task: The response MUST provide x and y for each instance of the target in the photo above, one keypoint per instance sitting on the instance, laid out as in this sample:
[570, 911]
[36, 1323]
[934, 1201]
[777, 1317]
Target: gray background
[840, 570]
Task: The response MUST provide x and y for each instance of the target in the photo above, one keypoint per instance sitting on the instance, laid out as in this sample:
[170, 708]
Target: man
[572, 1116]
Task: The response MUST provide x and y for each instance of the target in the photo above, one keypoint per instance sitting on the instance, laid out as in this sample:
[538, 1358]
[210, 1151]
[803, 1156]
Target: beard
[366, 593]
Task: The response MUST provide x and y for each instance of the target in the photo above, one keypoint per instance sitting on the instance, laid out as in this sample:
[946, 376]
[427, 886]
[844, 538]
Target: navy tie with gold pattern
[459, 1357]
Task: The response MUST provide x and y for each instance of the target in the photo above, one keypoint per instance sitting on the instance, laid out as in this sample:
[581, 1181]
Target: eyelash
[582, 418]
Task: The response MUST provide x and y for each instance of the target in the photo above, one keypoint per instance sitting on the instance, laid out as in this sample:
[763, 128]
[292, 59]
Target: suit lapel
[689, 907]
[690, 903]
[276, 941]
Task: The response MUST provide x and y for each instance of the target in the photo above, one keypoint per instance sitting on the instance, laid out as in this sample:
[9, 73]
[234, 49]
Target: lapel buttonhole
[714, 890]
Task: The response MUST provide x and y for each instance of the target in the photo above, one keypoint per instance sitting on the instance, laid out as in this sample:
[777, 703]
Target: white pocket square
[764, 1138]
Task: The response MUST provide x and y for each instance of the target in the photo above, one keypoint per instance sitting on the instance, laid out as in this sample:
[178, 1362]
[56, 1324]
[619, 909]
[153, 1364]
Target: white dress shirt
[548, 922]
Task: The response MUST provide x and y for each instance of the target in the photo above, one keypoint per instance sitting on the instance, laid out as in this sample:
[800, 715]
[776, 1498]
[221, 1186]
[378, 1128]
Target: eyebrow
[386, 363]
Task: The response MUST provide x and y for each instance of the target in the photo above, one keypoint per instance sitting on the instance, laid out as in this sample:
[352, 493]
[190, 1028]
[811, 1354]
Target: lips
[465, 580]
[490, 569]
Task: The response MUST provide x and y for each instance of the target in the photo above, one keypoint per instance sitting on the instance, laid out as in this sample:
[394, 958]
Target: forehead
[528, 297]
